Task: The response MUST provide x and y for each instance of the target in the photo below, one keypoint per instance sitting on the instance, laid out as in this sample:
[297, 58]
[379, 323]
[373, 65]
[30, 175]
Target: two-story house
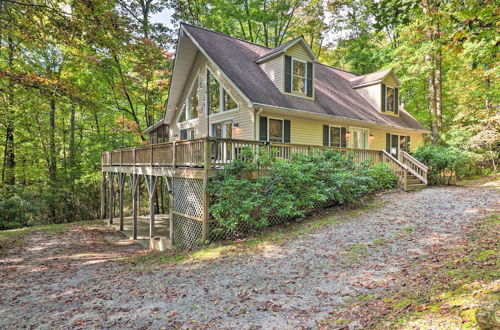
[227, 87]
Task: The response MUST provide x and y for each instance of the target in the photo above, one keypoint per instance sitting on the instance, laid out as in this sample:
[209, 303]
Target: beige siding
[310, 131]
[274, 68]
[373, 94]
[243, 116]
[298, 51]
[390, 80]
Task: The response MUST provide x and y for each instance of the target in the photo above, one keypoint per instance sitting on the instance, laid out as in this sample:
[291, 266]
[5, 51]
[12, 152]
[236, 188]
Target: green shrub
[289, 188]
[443, 161]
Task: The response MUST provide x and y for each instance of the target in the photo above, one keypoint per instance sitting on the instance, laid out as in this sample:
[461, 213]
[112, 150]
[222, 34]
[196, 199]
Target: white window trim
[351, 142]
[282, 129]
[221, 97]
[294, 75]
[394, 99]
[330, 135]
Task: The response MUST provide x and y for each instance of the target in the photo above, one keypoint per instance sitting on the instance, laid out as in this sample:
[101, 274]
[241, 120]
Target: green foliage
[443, 161]
[290, 188]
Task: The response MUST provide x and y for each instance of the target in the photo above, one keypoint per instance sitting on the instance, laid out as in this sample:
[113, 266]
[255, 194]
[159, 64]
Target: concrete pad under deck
[162, 228]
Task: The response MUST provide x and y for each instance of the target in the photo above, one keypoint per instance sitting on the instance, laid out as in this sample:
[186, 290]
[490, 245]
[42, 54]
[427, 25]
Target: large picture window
[219, 100]
[190, 108]
[298, 76]
[276, 130]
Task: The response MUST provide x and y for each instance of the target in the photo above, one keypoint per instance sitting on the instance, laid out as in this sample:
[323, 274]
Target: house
[228, 94]
[226, 87]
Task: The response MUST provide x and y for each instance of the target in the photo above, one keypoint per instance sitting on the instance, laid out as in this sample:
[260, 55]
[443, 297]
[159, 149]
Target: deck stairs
[411, 174]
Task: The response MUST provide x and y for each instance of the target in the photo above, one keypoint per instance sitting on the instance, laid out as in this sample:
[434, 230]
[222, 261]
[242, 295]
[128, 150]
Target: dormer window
[299, 76]
[390, 99]
[390, 104]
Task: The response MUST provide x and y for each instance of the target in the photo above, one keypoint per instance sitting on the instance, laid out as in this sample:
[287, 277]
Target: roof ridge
[332, 67]
[226, 35]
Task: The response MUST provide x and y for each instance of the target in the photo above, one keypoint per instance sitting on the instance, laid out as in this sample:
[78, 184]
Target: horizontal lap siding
[298, 51]
[243, 116]
[372, 94]
[310, 131]
[274, 70]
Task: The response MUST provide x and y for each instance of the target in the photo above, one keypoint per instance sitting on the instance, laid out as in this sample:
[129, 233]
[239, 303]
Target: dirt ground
[77, 279]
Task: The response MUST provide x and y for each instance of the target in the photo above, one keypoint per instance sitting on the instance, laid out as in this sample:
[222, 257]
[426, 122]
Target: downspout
[256, 114]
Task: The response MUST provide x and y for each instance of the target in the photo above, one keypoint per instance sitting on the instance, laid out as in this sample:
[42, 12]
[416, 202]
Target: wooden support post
[205, 231]
[170, 190]
[134, 180]
[121, 184]
[111, 197]
[174, 157]
[103, 195]
[151, 181]
[207, 153]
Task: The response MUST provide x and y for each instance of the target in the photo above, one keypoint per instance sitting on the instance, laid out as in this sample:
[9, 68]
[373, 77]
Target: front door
[359, 138]
[395, 146]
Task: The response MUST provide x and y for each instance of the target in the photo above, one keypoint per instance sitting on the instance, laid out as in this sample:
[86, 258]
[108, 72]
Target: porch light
[348, 135]
[371, 138]
[236, 124]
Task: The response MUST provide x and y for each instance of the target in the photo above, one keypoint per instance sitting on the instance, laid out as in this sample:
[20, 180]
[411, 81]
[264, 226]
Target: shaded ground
[334, 270]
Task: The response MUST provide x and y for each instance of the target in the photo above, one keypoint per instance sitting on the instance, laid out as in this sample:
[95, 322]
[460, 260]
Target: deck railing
[212, 152]
[416, 168]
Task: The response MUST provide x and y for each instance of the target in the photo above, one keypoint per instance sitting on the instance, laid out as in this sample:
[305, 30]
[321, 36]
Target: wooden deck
[186, 167]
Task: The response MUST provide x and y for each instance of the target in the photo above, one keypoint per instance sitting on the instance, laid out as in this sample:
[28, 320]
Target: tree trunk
[9, 161]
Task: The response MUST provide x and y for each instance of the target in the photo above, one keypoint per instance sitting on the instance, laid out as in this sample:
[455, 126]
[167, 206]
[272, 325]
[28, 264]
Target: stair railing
[398, 168]
[415, 167]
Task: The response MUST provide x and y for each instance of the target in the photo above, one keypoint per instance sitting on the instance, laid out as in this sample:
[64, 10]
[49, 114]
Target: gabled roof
[371, 78]
[334, 95]
[283, 48]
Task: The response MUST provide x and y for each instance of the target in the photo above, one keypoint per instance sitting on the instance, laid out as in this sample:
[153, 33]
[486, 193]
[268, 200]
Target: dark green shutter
[407, 144]
[288, 74]
[396, 96]
[343, 140]
[388, 142]
[286, 128]
[263, 129]
[326, 133]
[383, 97]
[309, 79]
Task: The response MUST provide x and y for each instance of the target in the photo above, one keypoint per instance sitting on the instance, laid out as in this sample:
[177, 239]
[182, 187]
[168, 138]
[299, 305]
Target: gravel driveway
[68, 280]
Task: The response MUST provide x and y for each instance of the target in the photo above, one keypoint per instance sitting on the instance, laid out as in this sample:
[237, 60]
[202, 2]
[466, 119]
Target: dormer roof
[283, 48]
[371, 78]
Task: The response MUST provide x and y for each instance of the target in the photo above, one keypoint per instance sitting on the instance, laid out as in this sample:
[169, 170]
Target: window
[229, 102]
[182, 115]
[275, 130]
[193, 101]
[395, 143]
[213, 94]
[189, 110]
[390, 104]
[219, 99]
[298, 76]
[334, 136]
[187, 134]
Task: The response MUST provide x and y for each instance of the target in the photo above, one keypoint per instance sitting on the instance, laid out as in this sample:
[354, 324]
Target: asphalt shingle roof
[333, 92]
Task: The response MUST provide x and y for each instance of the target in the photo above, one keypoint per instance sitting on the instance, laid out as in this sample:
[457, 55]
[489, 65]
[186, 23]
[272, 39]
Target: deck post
[134, 180]
[174, 158]
[151, 181]
[111, 197]
[205, 231]
[103, 195]
[207, 153]
[170, 190]
[121, 184]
